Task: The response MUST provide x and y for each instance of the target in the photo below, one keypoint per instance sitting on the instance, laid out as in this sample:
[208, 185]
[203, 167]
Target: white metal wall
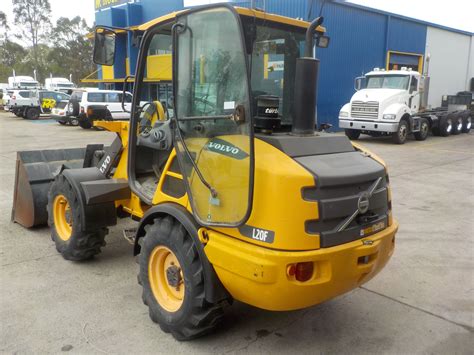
[450, 63]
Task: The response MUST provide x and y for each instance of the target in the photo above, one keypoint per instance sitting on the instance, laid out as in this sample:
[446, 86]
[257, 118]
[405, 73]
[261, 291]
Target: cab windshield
[399, 82]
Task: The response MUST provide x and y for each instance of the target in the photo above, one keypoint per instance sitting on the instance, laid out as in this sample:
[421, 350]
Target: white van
[81, 99]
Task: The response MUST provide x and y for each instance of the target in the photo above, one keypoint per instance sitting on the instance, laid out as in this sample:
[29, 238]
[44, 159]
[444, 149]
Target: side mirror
[322, 41]
[104, 46]
[359, 83]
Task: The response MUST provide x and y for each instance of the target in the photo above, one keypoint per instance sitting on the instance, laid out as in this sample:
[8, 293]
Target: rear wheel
[467, 123]
[171, 275]
[32, 114]
[64, 218]
[84, 122]
[74, 121]
[352, 134]
[445, 126]
[61, 122]
[424, 129]
[400, 136]
[457, 124]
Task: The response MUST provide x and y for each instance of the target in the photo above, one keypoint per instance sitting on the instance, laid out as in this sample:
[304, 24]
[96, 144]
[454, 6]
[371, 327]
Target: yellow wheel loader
[236, 195]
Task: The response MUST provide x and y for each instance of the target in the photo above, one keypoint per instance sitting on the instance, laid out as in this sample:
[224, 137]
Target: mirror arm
[123, 92]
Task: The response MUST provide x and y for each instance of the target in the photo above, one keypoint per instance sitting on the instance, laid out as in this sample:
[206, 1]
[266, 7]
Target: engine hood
[378, 95]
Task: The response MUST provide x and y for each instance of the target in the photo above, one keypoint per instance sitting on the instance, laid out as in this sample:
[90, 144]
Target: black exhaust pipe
[306, 88]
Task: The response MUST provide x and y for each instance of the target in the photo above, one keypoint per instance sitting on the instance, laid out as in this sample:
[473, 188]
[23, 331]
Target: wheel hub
[173, 275]
[166, 278]
[449, 127]
[62, 217]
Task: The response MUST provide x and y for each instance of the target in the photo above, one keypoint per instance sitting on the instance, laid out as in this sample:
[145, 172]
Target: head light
[343, 114]
[389, 117]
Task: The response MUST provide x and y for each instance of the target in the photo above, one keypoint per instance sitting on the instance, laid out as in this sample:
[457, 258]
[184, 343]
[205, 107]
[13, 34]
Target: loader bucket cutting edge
[34, 173]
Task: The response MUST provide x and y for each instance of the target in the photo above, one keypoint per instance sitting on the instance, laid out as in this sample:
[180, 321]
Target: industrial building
[361, 39]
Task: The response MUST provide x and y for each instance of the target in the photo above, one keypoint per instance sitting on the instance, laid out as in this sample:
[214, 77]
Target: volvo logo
[363, 202]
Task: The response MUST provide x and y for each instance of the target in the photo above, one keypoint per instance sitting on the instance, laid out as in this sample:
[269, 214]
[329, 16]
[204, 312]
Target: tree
[32, 16]
[72, 53]
[4, 28]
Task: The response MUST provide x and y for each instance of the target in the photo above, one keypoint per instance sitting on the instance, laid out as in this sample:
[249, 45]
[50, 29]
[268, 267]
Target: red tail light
[301, 271]
[13, 97]
[304, 271]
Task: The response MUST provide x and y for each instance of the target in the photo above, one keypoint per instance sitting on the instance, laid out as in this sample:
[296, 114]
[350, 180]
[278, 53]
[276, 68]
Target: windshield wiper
[213, 192]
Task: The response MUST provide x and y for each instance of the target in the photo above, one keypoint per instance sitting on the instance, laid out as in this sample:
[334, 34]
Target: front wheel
[62, 122]
[352, 134]
[32, 114]
[171, 274]
[424, 129]
[400, 136]
[64, 219]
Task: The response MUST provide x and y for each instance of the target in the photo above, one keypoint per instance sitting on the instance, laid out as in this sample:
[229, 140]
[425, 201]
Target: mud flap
[34, 173]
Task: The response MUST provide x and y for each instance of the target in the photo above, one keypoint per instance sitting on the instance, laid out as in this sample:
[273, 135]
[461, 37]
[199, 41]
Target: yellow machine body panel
[259, 277]
[278, 205]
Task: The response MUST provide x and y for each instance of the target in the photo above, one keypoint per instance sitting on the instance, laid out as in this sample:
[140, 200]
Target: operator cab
[233, 73]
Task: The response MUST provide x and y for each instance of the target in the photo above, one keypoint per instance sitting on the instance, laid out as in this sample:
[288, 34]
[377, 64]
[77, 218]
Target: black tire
[80, 245]
[84, 122]
[400, 136]
[17, 113]
[195, 316]
[445, 125]
[467, 123]
[62, 122]
[352, 134]
[32, 113]
[457, 124]
[424, 129]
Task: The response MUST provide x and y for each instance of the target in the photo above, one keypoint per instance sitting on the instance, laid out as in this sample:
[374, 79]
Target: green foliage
[62, 49]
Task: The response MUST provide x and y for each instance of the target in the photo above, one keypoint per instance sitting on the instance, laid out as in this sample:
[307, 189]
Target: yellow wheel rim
[166, 278]
[62, 217]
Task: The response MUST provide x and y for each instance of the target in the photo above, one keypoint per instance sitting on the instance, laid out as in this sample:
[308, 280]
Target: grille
[337, 203]
[369, 109]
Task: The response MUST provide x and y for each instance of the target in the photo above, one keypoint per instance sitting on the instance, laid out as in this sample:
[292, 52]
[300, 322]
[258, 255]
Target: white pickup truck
[393, 103]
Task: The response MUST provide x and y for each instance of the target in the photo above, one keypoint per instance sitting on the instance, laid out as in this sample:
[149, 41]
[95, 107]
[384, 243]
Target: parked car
[59, 113]
[31, 104]
[82, 99]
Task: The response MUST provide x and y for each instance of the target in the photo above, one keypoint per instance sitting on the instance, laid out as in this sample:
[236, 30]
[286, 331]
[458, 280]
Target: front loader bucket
[35, 171]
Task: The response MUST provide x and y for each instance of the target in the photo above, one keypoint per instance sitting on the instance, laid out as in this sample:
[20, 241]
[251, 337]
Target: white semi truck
[59, 84]
[394, 103]
[22, 82]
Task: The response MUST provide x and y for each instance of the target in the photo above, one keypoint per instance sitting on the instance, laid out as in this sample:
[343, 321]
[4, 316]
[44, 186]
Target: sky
[455, 13]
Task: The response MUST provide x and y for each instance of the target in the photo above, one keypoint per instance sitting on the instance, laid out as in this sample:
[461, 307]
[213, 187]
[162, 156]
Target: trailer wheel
[64, 218]
[352, 134]
[400, 136]
[424, 129]
[445, 125]
[457, 124]
[467, 123]
[32, 113]
[173, 283]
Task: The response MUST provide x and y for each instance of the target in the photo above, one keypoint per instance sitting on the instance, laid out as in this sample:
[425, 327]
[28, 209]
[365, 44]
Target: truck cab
[383, 100]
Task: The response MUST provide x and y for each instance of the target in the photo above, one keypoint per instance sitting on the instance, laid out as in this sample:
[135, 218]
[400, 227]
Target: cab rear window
[24, 94]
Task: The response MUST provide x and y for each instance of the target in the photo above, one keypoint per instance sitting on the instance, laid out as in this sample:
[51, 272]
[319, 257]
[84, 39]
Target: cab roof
[393, 72]
[241, 11]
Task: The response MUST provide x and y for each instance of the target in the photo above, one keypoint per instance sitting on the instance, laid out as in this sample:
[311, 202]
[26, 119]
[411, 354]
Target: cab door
[414, 92]
[213, 137]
